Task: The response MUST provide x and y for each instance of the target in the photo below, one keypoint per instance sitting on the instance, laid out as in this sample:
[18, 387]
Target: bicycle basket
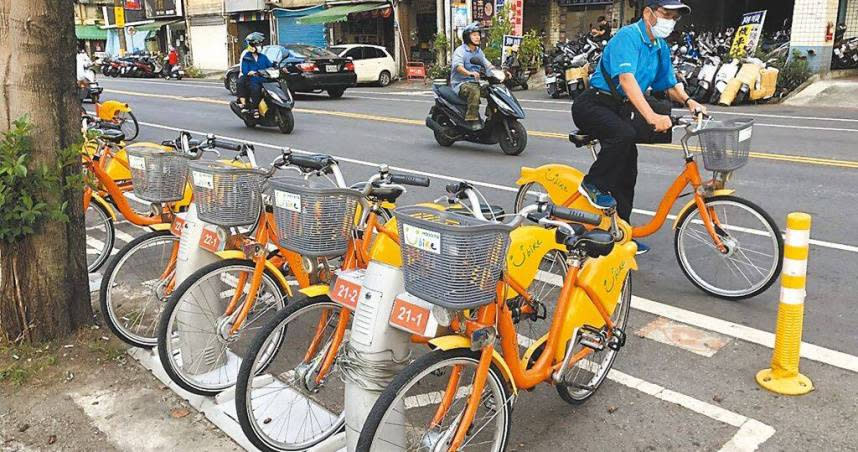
[226, 195]
[157, 175]
[449, 259]
[312, 219]
[725, 144]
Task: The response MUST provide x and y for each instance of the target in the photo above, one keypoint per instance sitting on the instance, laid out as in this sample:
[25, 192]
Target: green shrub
[793, 72]
[438, 71]
[192, 72]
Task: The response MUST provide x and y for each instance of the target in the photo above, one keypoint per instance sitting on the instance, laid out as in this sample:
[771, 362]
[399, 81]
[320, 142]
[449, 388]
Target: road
[804, 159]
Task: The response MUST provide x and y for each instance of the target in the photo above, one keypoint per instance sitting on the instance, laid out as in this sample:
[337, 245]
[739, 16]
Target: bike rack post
[783, 377]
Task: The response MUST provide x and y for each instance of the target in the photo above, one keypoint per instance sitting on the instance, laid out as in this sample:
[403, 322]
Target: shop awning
[339, 13]
[90, 32]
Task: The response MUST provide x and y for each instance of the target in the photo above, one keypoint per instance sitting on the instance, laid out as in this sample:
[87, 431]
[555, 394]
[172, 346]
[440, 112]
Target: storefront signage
[483, 11]
[119, 16]
[748, 34]
[135, 5]
[163, 8]
[510, 44]
[583, 2]
[516, 15]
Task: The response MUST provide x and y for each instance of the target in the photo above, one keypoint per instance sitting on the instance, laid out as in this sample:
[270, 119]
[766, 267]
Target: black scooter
[275, 107]
[501, 124]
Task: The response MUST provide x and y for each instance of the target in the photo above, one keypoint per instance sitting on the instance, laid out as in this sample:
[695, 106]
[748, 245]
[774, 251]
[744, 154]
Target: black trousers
[250, 91]
[616, 168]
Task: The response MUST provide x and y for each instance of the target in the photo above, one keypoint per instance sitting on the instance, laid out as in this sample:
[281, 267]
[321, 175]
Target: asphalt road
[805, 159]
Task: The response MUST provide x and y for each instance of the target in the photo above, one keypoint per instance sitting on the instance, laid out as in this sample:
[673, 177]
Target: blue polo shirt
[632, 52]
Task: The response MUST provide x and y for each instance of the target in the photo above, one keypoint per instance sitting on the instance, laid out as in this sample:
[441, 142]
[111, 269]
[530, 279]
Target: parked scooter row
[568, 68]
[141, 65]
[845, 50]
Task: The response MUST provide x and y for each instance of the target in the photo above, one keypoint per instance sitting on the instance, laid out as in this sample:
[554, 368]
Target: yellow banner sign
[119, 13]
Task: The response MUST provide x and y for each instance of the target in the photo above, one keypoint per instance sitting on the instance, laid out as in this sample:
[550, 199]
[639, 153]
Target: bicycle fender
[690, 205]
[560, 181]
[454, 342]
[278, 275]
[105, 204]
[316, 290]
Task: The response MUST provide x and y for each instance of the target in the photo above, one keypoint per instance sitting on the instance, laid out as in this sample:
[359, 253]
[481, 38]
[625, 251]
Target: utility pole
[119, 18]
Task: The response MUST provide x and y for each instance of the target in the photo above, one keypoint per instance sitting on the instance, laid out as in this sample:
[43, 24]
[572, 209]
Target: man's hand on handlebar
[475, 75]
[661, 123]
[696, 108]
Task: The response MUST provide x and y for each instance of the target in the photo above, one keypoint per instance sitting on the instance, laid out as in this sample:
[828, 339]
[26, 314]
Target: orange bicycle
[460, 395]
[727, 246]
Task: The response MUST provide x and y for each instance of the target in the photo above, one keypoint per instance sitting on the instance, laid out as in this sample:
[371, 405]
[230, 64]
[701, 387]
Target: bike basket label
[422, 239]
[410, 317]
[209, 240]
[745, 134]
[288, 201]
[203, 180]
[138, 163]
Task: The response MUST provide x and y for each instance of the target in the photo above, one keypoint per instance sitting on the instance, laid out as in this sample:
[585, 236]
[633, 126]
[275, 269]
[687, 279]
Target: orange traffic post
[783, 377]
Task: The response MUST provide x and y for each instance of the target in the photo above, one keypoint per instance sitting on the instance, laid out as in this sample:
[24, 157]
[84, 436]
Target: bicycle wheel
[402, 418]
[100, 235]
[528, 194]
[194, 341]
[754, 244]
[134, 288]
[279, 404]
[128, 125]
[580, 382]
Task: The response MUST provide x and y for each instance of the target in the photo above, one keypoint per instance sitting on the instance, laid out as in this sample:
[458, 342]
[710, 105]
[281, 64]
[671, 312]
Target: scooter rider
[465, 76]
[637, 59]
[252, 61]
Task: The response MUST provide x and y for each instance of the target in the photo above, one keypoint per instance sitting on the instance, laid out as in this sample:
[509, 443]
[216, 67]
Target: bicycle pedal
[592, 340]
[617, 340]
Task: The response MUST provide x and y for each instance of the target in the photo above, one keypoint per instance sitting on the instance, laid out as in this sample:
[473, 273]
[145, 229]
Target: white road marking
[821, 243]
[123, 236]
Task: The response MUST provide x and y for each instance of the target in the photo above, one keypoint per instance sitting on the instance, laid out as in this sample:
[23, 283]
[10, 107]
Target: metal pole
[121, 30]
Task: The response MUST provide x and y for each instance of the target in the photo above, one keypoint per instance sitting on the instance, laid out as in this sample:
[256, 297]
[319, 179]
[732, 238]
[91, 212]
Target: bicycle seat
[386, 193]
[581, 139]
[111, 135]
[487, 211]
[595, 243]
[449, 95]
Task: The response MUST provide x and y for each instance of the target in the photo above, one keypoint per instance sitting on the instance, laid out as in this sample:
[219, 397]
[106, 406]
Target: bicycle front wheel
[409, 415]
[754, 255]
[135, 287]
[195, 345]
[100, 235]
[283, 398]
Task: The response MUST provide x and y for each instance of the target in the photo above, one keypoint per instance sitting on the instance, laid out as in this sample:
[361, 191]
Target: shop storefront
[289, 31]
[242, 24]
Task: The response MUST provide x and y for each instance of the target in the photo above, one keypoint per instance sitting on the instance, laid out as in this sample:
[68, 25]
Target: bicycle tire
[105, 297]
[415, 369]
[133, 130]
[109, 241]
[692, 276]
[175, 301]
[298, 306]
[521, 195]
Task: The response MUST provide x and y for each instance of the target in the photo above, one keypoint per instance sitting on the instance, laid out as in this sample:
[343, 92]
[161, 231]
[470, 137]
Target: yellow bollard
[783, 377]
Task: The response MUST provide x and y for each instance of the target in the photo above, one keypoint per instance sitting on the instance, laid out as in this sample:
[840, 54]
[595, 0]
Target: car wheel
[232, 84]
[384, 79]
[336, 93]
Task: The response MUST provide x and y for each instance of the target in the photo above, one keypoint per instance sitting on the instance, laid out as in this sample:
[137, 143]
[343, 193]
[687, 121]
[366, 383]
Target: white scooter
[726, 73]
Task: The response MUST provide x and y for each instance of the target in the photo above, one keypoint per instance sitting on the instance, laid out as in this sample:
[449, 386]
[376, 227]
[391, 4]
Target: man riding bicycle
[465, 75]
[635, 60]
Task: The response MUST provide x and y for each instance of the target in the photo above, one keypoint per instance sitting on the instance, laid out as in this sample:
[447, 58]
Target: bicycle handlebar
[574, 215]
[228, 145]
[407, 179]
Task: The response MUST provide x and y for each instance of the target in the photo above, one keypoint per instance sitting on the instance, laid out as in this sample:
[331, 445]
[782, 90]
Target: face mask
[663, 27]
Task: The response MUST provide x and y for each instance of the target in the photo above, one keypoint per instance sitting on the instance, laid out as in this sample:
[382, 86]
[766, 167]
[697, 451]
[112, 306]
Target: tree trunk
[44, 289]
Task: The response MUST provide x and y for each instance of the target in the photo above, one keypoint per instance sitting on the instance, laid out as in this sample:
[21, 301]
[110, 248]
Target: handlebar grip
[456, 188]
[407, 179]
[226, 145]
[314, 162]
[574, 215]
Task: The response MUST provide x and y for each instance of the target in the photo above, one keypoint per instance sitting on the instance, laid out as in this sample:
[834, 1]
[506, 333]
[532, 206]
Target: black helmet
[254, 39]
[466, 32]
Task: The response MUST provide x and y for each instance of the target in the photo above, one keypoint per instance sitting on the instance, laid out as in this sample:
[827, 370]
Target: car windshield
[311, 51]
[337, 50]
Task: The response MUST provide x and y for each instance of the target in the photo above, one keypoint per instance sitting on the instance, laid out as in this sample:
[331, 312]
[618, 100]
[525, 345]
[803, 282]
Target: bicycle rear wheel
[194, 341]
[754, 244]
[134, 288]
[280, 405]
[402, 418]
[100, 235]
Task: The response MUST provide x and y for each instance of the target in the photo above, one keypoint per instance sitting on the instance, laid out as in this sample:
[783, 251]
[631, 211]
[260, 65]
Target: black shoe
[643, 248]
[597, 197]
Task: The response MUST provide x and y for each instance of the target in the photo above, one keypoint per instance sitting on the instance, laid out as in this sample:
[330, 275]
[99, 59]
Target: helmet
[466, 32]
[254, 39]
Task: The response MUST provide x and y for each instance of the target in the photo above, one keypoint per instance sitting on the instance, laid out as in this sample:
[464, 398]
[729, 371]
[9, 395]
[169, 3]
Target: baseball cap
[669, 4]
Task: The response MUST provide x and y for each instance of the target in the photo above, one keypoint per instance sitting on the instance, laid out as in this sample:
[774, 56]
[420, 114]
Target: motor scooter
[726, 73]
[447, 117]
[275, 105]
[88, 87]
[516, 76]
[175, 71]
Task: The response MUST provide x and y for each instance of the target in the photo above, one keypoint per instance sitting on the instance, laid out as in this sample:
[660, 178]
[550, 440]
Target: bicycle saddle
[111, 135]
[387, 193]
[581, 139]
[595, 243]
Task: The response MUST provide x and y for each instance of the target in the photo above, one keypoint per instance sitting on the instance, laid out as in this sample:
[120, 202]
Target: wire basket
[157, 175]
[227, 195]
[312, 219]
[449, 259]
[725, 144]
